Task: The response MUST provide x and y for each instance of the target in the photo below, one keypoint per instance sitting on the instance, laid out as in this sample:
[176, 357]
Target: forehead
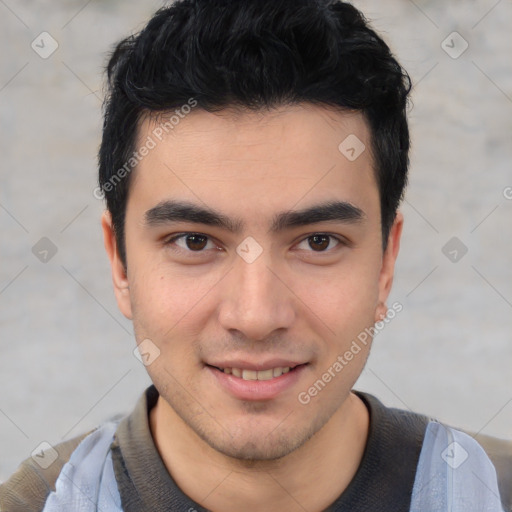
[250, 159]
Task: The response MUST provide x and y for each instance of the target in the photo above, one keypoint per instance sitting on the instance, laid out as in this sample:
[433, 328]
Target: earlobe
[119, 275]
[381, 312]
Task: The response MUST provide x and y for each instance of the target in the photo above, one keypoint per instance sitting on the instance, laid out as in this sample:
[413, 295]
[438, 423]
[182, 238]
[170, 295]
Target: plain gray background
[67, 358]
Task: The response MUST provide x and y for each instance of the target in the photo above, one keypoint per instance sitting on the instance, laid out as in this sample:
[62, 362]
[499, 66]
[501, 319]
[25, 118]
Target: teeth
[249, 375]
[265, 374]
[257, 375]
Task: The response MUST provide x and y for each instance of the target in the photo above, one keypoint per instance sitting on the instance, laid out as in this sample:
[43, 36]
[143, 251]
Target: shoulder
[443, 448]
[454, 472]
[500, 453]
[28, 488]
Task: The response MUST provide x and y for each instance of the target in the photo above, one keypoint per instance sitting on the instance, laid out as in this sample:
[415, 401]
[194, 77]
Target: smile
[265, 382]
[256, 374]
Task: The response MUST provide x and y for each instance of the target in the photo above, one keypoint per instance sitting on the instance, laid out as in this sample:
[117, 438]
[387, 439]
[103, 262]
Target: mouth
[265, 374]
[259, 382]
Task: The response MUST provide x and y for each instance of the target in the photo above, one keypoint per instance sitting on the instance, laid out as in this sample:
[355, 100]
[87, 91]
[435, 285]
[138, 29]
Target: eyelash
[173, 239]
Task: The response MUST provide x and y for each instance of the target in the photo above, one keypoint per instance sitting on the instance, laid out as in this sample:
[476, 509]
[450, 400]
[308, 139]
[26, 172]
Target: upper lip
[256, 366]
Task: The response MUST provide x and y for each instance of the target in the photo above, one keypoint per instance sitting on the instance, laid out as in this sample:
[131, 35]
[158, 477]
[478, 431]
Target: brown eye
[196, 242]
[319, 242]
[191, 242]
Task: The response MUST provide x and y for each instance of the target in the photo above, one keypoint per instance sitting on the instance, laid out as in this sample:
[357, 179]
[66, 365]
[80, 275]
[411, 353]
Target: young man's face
[258, 291]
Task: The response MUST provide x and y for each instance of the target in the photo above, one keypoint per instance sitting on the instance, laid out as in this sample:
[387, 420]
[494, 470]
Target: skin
[293, 301]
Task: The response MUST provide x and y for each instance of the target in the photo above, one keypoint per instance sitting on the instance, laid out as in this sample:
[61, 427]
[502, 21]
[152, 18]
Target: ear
[119, 276]
[388, 266]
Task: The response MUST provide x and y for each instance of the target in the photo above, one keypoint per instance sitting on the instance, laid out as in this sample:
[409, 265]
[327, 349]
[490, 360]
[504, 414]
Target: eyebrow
[182, 211]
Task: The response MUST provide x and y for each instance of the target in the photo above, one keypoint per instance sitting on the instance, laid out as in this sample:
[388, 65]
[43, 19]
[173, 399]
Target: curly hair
[255, 55]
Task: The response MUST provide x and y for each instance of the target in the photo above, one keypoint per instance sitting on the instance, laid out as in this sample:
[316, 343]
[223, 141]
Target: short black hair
[257, 55]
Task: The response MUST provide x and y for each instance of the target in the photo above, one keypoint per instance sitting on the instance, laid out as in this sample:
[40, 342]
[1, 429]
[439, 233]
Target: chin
[254, 451]
[250, 445]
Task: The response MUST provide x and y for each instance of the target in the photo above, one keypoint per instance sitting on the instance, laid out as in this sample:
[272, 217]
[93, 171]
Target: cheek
[165, 304]
[345, 300]
[162, 314]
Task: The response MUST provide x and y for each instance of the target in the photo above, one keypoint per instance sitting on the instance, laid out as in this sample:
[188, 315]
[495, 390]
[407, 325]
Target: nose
[256, 300]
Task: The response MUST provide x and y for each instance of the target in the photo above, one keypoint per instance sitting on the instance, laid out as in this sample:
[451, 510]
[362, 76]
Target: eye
[199, 243]
[319, 242]
[192, 242]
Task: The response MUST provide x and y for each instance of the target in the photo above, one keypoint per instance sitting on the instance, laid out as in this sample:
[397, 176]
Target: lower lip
[257, 389]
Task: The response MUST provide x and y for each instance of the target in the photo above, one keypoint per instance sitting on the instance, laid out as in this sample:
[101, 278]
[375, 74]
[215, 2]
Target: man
[253, 159]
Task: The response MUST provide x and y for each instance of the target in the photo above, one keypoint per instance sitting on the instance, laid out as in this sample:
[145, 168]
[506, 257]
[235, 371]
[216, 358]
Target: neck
[303, 480]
